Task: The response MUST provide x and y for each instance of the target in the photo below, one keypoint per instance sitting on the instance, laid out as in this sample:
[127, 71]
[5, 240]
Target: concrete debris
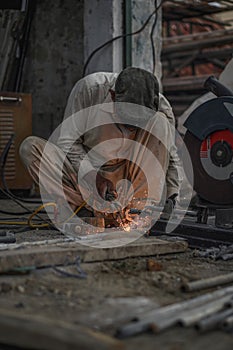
[223, 252]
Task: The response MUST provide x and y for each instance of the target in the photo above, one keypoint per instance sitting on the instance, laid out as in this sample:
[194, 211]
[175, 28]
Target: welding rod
[207, 283]
[167, 316]
[214, 321]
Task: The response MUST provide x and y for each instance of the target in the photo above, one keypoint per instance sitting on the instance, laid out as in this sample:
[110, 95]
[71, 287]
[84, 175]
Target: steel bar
[174, 12]
[167, 316]
[197, 41]
[160, 209]
[214, 321]
[201, 57]
[208, 282]
[197, 234]
[187, 319]
[190, 316]
[188, 83]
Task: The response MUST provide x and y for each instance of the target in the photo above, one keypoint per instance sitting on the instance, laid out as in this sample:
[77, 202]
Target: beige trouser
[145, 174]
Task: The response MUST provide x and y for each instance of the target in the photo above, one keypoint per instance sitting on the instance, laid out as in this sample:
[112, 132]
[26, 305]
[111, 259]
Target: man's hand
[104, 187]
[168, 207]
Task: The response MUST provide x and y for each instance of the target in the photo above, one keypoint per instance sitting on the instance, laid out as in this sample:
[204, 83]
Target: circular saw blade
[215, 190]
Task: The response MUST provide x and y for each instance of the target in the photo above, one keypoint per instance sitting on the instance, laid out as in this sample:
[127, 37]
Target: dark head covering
[138, 86]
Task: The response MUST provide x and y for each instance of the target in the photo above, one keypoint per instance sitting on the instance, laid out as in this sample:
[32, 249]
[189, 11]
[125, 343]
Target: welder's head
[138, 88]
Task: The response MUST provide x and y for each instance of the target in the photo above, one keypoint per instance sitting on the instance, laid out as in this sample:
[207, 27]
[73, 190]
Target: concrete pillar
[102, 22]
[141, 44]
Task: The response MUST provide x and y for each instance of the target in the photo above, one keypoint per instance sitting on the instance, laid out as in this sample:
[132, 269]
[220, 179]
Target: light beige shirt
[79, 134]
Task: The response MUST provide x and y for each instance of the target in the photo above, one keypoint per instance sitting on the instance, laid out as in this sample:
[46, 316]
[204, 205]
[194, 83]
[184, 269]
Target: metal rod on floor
[208, 282]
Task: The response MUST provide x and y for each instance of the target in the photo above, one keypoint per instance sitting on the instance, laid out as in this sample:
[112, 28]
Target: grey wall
[141, 44]
[54, 60]
[63, 34]
[103, 20]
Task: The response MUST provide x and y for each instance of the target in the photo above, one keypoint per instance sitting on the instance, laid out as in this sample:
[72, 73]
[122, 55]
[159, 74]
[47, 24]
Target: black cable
[14, 213]
[17, 213]
[151, 37]
[6, 191]
[5, 212]
[3, 159]
[121, 36]
[31, 4]
[24, 207]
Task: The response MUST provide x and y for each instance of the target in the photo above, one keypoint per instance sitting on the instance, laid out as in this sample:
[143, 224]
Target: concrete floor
[113, 291]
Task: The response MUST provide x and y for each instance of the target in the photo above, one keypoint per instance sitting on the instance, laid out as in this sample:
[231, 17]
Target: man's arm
[173, 176]
[87, 92]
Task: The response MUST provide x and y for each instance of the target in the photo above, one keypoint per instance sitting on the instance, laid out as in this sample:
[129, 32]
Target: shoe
[85, 213]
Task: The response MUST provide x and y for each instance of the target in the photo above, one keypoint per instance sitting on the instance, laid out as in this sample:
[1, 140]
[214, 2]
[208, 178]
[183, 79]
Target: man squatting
[116, 127]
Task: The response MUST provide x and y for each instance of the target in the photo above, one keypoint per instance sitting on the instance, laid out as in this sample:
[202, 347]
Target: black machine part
[211, 189]
[210, 117]
[212, 84]
[215, 114]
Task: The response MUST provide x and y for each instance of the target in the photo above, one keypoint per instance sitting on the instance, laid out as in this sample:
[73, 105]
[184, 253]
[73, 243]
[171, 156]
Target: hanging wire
[122, 36]
[151, 36]
[3, 159]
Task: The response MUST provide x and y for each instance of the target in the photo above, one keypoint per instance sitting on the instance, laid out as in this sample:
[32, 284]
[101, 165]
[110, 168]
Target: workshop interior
[45, 48]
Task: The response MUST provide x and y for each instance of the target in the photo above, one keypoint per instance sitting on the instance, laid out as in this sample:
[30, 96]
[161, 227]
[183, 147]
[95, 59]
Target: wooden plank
[36, 332]
[67, 253]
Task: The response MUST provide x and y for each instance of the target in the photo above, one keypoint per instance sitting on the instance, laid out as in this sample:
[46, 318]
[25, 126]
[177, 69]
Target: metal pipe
[214, 321]
[188, 318]
[167, 316]
[208, 282]
[212, 84]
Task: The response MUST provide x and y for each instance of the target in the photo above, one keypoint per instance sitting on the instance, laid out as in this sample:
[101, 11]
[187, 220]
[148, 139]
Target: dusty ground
[113, 292]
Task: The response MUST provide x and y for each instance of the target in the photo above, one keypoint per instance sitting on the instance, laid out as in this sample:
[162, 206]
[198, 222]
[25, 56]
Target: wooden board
[67, 253]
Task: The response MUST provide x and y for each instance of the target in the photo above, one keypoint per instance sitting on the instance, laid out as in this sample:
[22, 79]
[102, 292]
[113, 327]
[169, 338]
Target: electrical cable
[29, 221]
[8, 193]
[17, 213]
[46, 223]
[151, 36]
[3, 159]
[20, 204]
[121, 36]
[30, 10]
